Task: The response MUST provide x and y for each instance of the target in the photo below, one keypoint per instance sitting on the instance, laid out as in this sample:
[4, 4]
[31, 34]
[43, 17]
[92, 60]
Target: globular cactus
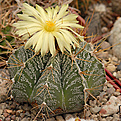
[54, 77]
[55, 80]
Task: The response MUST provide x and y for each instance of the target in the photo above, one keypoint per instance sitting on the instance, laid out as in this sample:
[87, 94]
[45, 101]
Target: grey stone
[68, 116]
[92, 103]
[104, 88]
[105, 45]
[25, 119]
[102, 95]
[111, 67]
[7, 119]
[5, 114]
[3, 105]
[116, 6]
[13, 117]
[51, 119]
[1, 111]
[96, 109]
[103, 119]
[116, 119]
[18, 119]
[93, 116]
[109, 118]
[118, 67]
[115, 38]
[27, 113]
[26, 107]
[88, 113]
[117, 93]
[22, 115]
[13, 105]
[59, 118]
[110, 90]
[109, 85]
[115, 115]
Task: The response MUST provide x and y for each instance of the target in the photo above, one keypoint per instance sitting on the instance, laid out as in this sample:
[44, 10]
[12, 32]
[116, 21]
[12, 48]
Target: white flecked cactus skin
[54, 80]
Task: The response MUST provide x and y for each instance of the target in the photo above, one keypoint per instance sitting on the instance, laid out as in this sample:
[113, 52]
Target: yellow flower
[43, 28]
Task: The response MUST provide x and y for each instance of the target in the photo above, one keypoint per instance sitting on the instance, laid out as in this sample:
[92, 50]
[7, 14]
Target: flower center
[49, 26]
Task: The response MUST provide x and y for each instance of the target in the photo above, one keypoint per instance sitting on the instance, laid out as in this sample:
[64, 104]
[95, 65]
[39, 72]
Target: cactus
[55, 77]
[55, 80]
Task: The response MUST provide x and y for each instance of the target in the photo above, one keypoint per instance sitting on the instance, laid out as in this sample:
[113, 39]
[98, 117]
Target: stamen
[50, 26]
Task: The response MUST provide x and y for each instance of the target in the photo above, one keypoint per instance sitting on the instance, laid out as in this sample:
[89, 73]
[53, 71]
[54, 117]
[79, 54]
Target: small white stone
[111, 107]
[115, 74]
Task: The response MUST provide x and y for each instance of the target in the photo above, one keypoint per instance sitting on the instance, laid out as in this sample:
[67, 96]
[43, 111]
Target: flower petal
[42, 12]
[55, 12]
[52, 44]
[31, 11]
[28, 18]
[49, 12]
[80, 37]
[25, 24]
[62, 12]
[40, 42]
[32, 40]
[45, 44]
[71, 25]
[61, 42]
[29, 31]
[69, 37]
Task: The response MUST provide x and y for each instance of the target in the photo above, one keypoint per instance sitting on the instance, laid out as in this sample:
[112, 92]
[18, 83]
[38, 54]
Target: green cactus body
[64, 83]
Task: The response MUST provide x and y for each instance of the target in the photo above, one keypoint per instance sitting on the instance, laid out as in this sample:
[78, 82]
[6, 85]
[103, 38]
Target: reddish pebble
[7, 119]
[5, 115]
[13, 117]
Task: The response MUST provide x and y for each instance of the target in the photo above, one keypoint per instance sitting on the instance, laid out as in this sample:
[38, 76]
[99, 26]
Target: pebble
[111, 67]
[88, 113]
[109, 85]
[1, 111]
[51, 119]
[118, 67]
[25, 119]
[13, 117]
[95, 110]
[3, 105]
[26, 107]
[27, 113]
[105, 45]
[102, 95]
[115, 38]
[111, 107]
[22, 115]
[7, 119]
[110, 90]
[116, 6]
[59, 118]
[102, 55]
[18, 119]
[109, 118]
[115, 115]
[5, 114]
[13, 106]
[103, 119]
[117, 93]
[104, 88]
[104, 100]
[104, 29]
[68, 116]
[92, 103]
